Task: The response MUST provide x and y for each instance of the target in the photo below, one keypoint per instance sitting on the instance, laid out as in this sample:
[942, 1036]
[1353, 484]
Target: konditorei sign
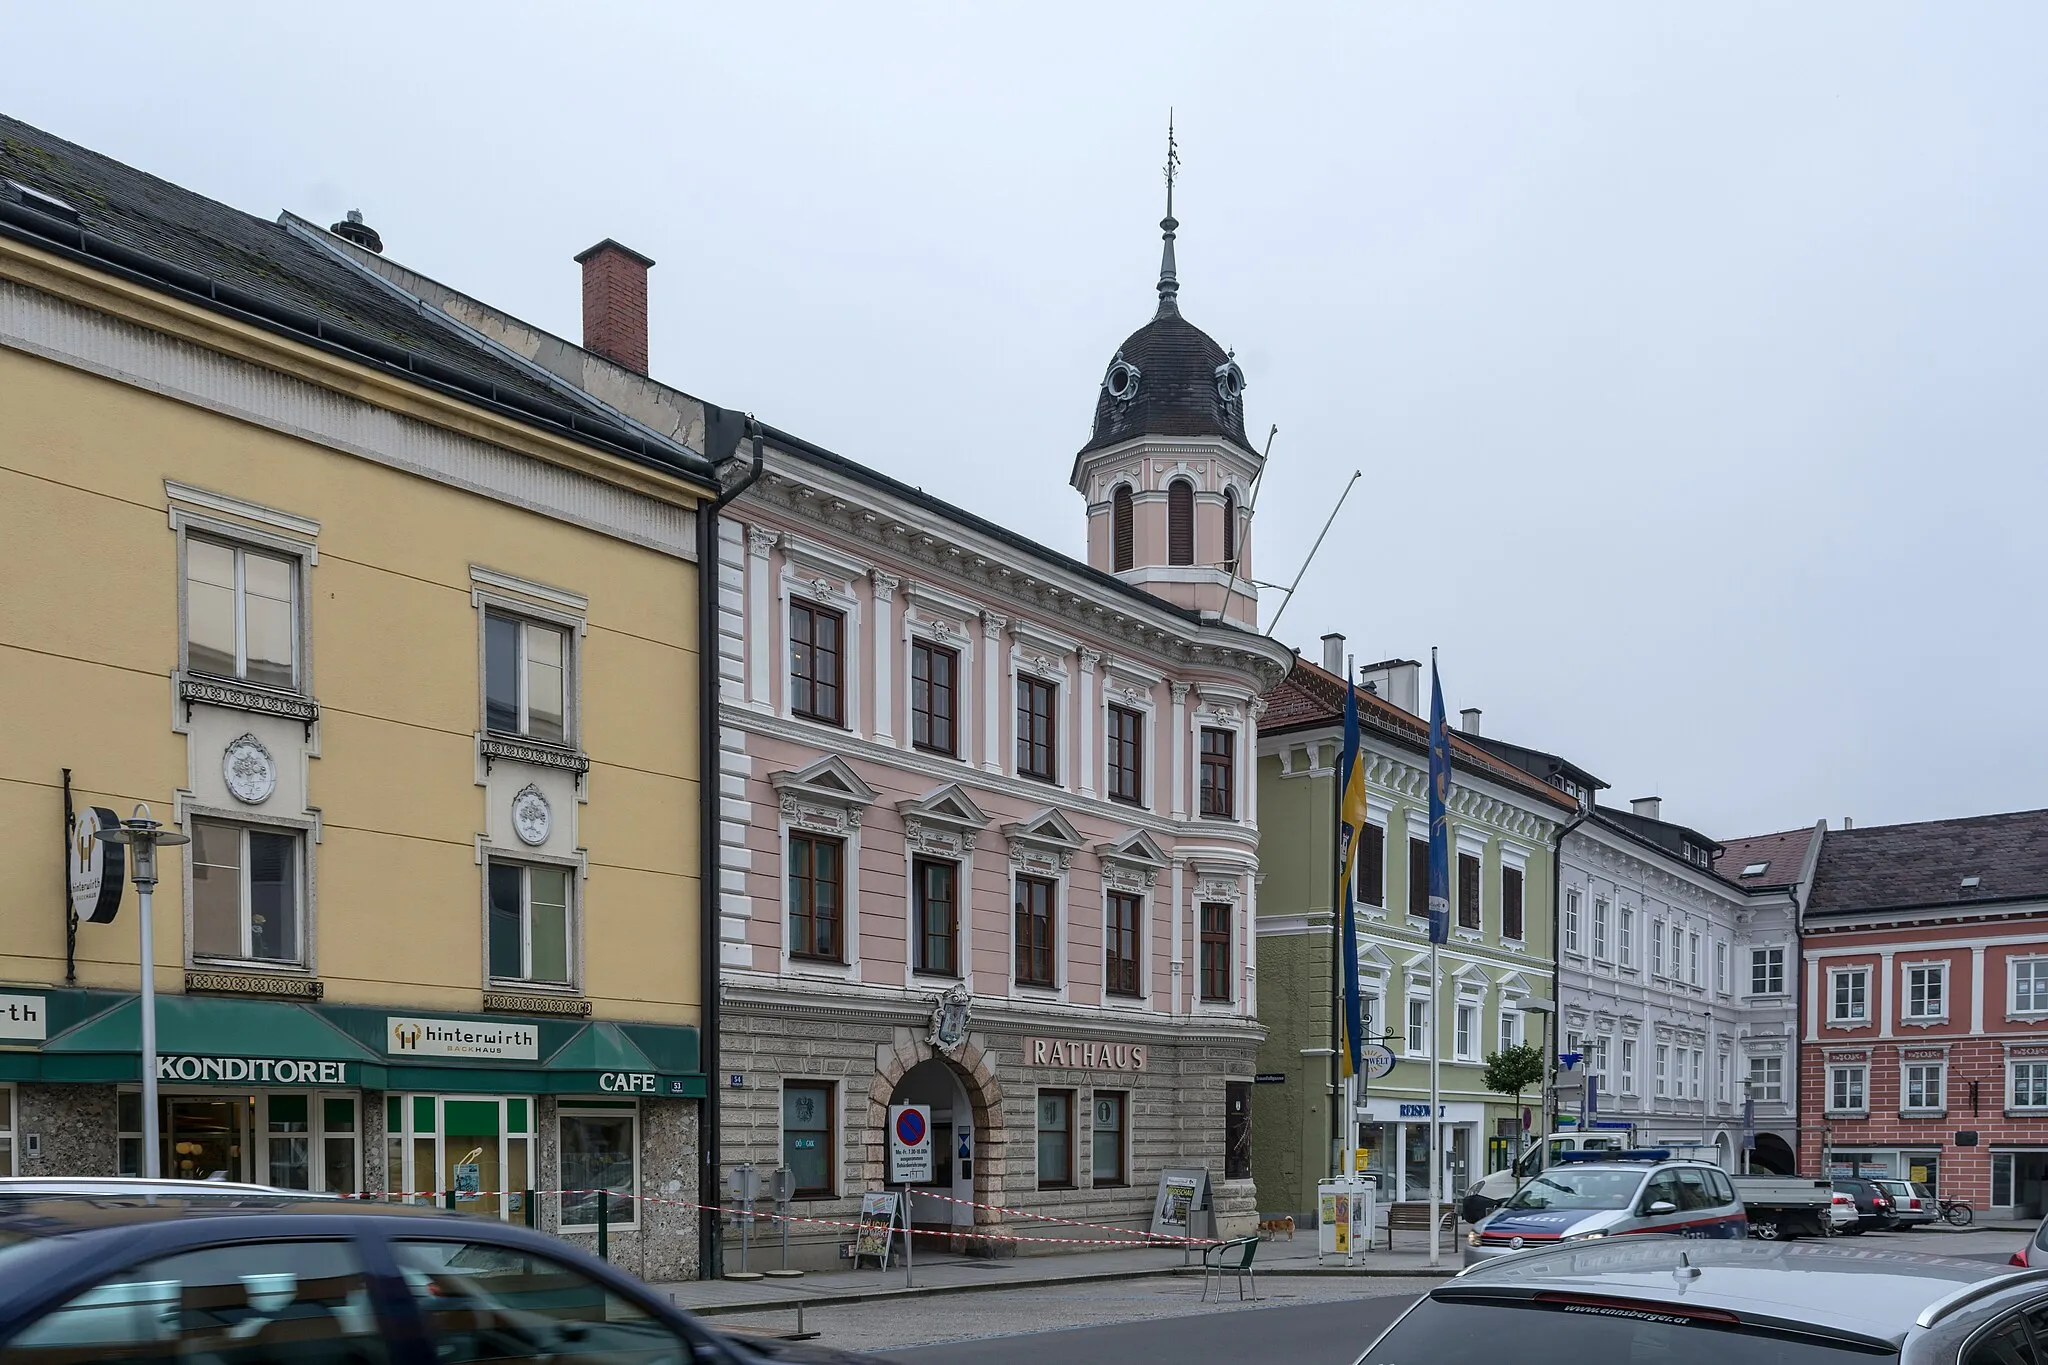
[461, 1038]
[256, 1070]
[24, 1018]
[1084, 1054]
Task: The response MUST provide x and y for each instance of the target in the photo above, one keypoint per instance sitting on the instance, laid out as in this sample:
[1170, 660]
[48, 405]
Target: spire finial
[1169, 283]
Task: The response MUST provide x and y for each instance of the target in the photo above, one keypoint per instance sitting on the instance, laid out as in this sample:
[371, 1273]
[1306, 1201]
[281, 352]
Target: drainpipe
[1556, 966]
[722, 434]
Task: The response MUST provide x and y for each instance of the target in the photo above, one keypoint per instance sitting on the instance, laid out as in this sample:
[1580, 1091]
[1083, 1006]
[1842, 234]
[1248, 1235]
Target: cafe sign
[461, 1038]
[252, 1070]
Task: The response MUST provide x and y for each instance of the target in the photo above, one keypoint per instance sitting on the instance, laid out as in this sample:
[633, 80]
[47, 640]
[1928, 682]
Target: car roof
[1869, 1293]
[51, 1209]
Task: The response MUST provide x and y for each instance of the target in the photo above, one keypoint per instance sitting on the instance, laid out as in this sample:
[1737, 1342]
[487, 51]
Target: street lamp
[1546, 1008]
[143, 837]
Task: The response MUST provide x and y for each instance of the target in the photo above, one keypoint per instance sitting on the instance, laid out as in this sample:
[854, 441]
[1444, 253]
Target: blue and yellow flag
[1439, 820]
[1350, 824]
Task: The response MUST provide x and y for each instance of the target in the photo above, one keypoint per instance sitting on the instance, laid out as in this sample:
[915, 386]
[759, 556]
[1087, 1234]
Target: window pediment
[829, 795]
[1132, 862]
[944, 822]
[1045, 842]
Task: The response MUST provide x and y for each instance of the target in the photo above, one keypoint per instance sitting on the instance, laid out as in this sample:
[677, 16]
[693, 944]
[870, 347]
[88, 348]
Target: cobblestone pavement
[890, 1325]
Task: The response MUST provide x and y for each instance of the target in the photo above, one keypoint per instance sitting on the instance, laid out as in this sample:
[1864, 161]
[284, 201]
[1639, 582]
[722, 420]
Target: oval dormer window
[1229, 381]
[1122, 380]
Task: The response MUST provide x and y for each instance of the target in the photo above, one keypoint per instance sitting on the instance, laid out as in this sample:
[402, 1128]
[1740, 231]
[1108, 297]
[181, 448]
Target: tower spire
[1169, 282]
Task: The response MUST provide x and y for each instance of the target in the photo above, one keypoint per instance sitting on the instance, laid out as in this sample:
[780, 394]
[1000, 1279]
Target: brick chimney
[615, 304]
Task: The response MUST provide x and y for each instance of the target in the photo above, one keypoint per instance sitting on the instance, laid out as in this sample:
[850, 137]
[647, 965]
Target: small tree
[1512, 1070]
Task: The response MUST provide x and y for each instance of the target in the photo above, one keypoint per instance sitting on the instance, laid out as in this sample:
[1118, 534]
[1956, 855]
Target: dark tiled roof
[1909, 866]
[1312, 696]
[1177, 393]
[1535, 761]
[259, 271]
[1782, 855]
[1672, 838]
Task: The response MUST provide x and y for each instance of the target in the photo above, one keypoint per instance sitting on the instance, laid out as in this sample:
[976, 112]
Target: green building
[1496, 974]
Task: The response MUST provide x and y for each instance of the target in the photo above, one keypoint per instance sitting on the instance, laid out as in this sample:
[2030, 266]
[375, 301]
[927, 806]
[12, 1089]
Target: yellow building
[404, 635]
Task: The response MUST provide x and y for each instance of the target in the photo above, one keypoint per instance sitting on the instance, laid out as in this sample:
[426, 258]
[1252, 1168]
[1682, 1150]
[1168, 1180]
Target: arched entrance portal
[967, 1113]
[1773, 1154]
[935, 1083]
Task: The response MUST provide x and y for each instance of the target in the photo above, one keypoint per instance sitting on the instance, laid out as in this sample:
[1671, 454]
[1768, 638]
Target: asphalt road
[1308, 1334]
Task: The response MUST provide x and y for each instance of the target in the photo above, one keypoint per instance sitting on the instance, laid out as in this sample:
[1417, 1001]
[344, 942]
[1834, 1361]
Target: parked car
[1842, 1215]
[1873, 1205]
[1913, 1205]
[1590, 1200]
[2034, 1251]
[247, 1276]
[1706, 1303]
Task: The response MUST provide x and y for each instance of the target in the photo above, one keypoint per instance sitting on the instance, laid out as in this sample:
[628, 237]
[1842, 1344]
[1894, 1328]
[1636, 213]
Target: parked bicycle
[1957, 1212]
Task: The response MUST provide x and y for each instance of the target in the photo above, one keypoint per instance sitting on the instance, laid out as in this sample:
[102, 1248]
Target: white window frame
[822, 577]
[1854, 1098]
[1412, 1026]
[921, 626]
[572, 870]
[305, 834]
[194, 511]
[2012, 1071]
[493, 593]
[628, 1109]
[1628, 1066]
[1692, 960]
[1465, 1031]
[1510, 1027]
[1858, 978]
[1699, 1065]
[1571, 921]
[1762, 1089]
[1934, 986]
[1625, 936]
[1721, 954]
[2037, 994]
[1723, 1069]
[1771, 958]
[1657, 948]
[1601, 945]
[1939, 1070]
[1677, 972]
[1062, 943]
[1663, 1073]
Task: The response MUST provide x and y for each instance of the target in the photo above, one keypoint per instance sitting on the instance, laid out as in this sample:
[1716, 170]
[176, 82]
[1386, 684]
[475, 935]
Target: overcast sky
[1693, 353]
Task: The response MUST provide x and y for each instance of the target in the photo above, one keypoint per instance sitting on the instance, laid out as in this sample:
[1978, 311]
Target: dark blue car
[249, 1277]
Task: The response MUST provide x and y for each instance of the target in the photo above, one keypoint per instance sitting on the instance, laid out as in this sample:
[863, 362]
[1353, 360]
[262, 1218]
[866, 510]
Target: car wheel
[1765, 1232]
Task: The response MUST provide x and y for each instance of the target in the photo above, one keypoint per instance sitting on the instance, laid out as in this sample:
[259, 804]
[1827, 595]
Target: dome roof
[1169, 378]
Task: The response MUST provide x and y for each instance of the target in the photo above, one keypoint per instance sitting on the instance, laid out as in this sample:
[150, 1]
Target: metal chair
[1230, 1258]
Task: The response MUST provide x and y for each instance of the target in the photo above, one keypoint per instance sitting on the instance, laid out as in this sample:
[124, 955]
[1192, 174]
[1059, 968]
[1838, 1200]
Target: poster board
[876, 1234]
[1181, 1208]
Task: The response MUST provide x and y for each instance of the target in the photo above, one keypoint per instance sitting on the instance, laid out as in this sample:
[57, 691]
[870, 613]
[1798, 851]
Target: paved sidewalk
[944, 1274]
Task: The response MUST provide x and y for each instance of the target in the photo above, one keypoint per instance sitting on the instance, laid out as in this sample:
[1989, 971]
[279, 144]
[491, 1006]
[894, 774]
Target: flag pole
[1439, 931]
[1436, 1127]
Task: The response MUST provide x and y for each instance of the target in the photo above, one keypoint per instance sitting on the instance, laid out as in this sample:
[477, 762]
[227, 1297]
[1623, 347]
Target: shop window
[1121, 966]
[1055, 1139]
[1036, 931]
[1110, 1138]
[1126, 755]
[261, 1301]
[484, 1303]
[1216, 951]
[475, 1146]
[600, 1151]
[934, 685]
[1237, 1130]
[1219, 774]
[340, 1144]
[1468, 891]
[246, 893]
[938, 915]
[817, 910]
[1371, 885]
[817, 663]
[6, 1130]
[526, 679]
[530, 923]
[241, 613]
[807, 1137]
[1037, 729]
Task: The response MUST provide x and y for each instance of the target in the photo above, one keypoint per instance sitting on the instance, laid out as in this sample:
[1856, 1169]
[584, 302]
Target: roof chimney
[1333, 653]
[1469, 720]
[1395, 680]
[354, 229]
[1848, 822]
[615, 304]
[1649, 807]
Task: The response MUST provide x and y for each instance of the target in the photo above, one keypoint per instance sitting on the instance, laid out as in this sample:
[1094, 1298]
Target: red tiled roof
[1313, 696]
[1781, 854]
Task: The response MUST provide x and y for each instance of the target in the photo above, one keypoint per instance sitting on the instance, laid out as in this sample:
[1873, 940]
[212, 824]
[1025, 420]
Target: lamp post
[1545, 1008]
[143, 837]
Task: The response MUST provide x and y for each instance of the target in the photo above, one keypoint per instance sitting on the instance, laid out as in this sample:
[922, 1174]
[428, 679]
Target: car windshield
[1565, 1188]
[1453, 1333]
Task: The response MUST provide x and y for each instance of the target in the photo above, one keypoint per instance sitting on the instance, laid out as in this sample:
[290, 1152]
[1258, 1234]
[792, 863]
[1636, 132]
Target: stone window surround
[942, 619]
[1466, 841]
[1924, 1054]
[2014, 1014]
[1033, 853]
[807, 807]
[1220, 884]
[1379, 812]
[1833, 1020]
[1851, 1059]
[308, 828]
[509, 595]
[944, 838]
[1128, 868]
[835, 1087]
[217, 516]
[2019, 1053]
[1037, 653]
[826, 578]
[1134, 687]
[577, 865]
[1906, 1017]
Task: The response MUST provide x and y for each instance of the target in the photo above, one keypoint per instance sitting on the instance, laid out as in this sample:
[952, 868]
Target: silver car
[1913, 1205]
[1587, 1201]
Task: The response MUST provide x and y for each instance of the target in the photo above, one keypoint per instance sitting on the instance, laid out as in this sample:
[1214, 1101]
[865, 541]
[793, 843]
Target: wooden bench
[1415, 1218]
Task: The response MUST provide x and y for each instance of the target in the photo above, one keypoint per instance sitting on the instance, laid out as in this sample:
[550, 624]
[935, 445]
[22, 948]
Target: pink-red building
[1925, 1008]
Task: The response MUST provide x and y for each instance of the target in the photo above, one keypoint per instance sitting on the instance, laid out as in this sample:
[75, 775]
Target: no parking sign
[910, 1144]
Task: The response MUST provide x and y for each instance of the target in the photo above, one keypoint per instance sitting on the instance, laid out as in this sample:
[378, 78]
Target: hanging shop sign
[253, 1070]
[461, 1038]
[24, 1018]
[97, 868]
[1085, 1055]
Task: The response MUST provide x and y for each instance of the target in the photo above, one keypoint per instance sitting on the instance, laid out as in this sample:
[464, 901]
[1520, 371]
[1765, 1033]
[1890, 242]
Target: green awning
[215, 1026]
[601, 1047]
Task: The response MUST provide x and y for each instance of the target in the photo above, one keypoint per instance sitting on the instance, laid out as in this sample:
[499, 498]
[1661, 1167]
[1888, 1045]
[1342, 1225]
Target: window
[1596, 1060]
[1237, 1130]
[1035, 931]
[310, 1301]
[1036, 728]
[1720, 966]
[529, 923]
[1677, 952]
[1418, 1028]
[1464, 1024]
[1219, 766]
[934, 694]
[1122, 538]
[245, 893]
[2030, 985]
[1850, 995]
[1625, 935]
[938, 919]
[525, 679]
[1126, 755]
[1599, 929]
[1418, 886]
[1657, 947]
[1924, 1085]
[1721, 1078]
[1055, 1139]
[1692, 960]
[817, 663]
[1571, 919]
[600, 1159]
[487, 1304]
[1511, 903]
[6, 1131]
[1663, 1071]
[1121, 971]
[1693, 1193]
[1698, 1065]
[1767, 1079]
[1925, 998]
[2029, 1086]
[1845, 1089]
[1628, 1066]
[1510, 1029]
[1216, 951]
[1371, 888]
[241, 614]
[1767, 971]
[1230, 529]
[817, 910]
[1468, 891]
[807, 1141]
[1180, 522]
[1108, 1138]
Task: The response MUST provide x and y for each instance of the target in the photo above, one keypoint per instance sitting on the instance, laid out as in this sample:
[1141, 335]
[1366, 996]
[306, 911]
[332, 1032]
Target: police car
[1592, 1195]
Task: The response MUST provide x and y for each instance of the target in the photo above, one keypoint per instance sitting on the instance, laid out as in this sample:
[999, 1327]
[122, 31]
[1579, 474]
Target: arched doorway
[1724, 1151]
[933, 1082]
[964, 1093]
[1773, 1154]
